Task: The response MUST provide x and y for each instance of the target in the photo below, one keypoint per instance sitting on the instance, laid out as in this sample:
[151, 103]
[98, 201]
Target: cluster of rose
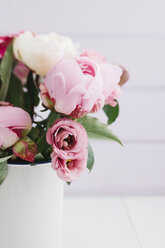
[70, 84]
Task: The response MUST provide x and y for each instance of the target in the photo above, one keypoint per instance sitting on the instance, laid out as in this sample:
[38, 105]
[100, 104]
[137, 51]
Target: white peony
[41, 52]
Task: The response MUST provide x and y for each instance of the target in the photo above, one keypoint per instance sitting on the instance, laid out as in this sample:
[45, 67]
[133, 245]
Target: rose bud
[15, 123]
[25, 149]
[75, 86]
[69, 169]
[68, 138]
[5, 104]
[41, 52]
[21, 72]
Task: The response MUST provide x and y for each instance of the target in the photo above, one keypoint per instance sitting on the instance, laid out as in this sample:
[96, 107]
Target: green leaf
[42, 145]
[34, 133]
[5, 158]
[97, 129]
[32, 90]
[3, 171]
[39, 157]
[51, 119]
[15, 93]
[5, 72]
[90, 161]
[28, 103]
[111, 112]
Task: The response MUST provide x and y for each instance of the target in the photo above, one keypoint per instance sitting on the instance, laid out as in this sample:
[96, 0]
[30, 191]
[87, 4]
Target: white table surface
[114, 222]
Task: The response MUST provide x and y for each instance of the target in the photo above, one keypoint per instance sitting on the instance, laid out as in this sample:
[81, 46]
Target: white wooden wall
[132, 33]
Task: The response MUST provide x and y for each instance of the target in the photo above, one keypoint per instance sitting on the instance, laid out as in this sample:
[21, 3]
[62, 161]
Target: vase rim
[48, 163]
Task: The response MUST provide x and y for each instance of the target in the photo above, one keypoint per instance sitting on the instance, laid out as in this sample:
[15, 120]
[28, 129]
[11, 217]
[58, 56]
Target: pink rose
[70, 141]
[15, 123]
[68, 138]
[74, 86]
[21, 72]
[68, 169]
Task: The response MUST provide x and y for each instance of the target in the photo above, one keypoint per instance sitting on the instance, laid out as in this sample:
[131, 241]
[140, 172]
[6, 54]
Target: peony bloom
[69, 141]
[21, 72]
[15, 123]
[46, 101]
[75, 86]
[4, 42]
[68, 138]
[92, 54]
[41, 52]
[112, 75]
[111, 99]
[69, 169]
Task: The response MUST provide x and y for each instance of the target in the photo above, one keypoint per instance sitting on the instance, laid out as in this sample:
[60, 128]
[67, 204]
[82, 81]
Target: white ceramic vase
[31, 208]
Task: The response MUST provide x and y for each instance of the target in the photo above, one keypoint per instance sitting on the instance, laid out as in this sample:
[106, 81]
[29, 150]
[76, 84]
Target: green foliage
[90, 161]
[39, 158]
[42, 145]
[32, 90]
[111, 112]
[2, 159]
[15, 94]
[31, 96]
[34, 133]
[53, 116]
[5, 72]
[97, 129]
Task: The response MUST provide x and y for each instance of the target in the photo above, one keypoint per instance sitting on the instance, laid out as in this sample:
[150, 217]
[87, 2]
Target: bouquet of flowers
[48, 90]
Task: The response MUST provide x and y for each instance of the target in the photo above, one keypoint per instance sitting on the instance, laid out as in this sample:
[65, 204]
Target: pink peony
[112, 76]
[46, 101]
[15, 123]
[92, 54]
[75, 86]
[111, 99]
[21, 72]
[70, 141]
